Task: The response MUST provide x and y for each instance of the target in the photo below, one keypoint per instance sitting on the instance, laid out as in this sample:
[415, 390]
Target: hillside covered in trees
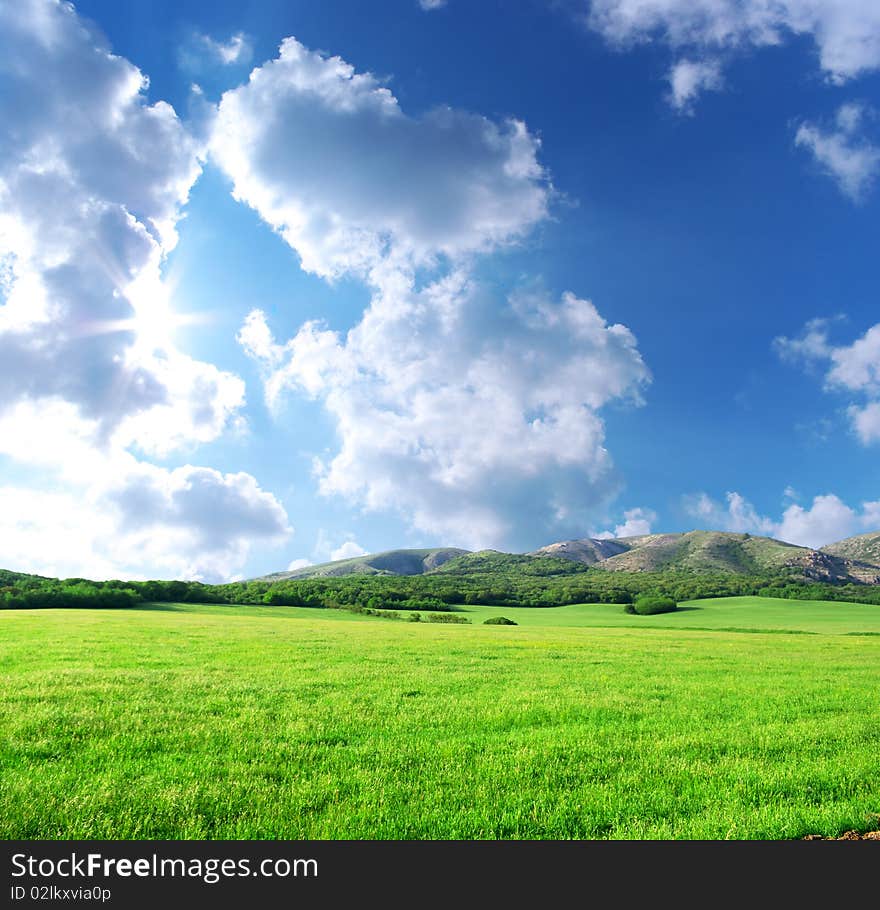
[499, 579]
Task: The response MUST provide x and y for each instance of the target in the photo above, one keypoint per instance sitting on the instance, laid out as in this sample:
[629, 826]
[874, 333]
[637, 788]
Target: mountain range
[856, 559]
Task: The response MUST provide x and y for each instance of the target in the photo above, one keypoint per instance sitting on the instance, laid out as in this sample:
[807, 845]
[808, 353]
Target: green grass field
[580, 722]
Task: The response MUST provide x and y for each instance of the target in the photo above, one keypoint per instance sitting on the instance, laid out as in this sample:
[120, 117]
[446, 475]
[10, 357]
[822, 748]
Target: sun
[154, 320]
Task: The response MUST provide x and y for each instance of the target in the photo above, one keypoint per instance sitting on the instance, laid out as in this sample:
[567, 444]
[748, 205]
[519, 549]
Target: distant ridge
[720, 551]
[588, 550]
[390, 562]
[856, 559]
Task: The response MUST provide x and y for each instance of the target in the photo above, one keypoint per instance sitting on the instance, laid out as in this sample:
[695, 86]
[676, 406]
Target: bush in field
[651, 605]
[445, 617]
[498, 621]
[382, 614]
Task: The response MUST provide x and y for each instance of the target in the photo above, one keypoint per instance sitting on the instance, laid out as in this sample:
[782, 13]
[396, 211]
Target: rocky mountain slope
[722, 551]
[854, 560]
[863, 549]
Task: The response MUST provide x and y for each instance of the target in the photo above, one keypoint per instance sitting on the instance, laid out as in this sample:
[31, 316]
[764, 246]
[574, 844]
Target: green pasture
[181, 721]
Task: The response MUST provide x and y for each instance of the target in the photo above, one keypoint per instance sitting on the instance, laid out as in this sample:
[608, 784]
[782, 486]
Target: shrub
[498, 621]
[445, 617]
[652, 604]
[383, 614]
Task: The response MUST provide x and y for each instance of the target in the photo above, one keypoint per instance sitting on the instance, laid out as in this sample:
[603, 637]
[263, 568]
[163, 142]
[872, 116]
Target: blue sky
[342, 277]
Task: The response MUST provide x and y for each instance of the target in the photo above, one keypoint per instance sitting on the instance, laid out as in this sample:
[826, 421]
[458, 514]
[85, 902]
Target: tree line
[494, 584]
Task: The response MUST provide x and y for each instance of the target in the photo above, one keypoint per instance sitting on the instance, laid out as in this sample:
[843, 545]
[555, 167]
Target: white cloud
[206, 57]
[456, 410]
[742, 516]
[846, 34]
[829, 519]
[255, 337]
[871, 515]
[738, 515]
[94, 533]
[100, 512]
[636, 522]
[857, 366]
[238, 49]
[848, 158]
[866, 421]
[431, 4]
[826, 521]
[348, 550]
[196, 520]
[92, 181]
[462, 430]
[849, 118]
[852, 368]
[299, 564]
[328, 158]
[810, 346]
[43, 532]
[331, 546]
[688, 78]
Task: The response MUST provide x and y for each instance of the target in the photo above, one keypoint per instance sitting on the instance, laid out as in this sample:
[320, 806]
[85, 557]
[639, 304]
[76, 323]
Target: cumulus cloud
[93, 533]
[849, 368]
[846, 33]
[845, 155]
[462, 430]
[328, 158]
[92, 181]
[636, 522]
[827, 520]
[458, 410]
[135, 518]
[197, 521]
[688, 78]
[102, 513]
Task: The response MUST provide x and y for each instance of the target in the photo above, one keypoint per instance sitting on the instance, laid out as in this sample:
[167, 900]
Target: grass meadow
[737, 718]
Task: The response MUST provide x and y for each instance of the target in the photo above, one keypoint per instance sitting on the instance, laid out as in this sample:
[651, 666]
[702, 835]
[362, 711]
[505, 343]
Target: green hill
[722, 552]
[717, 551]
[494, 562]
[390, 562]
[10, 578]
[714, 551]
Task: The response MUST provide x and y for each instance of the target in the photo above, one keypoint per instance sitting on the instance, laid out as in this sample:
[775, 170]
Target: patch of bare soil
[848, 835]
